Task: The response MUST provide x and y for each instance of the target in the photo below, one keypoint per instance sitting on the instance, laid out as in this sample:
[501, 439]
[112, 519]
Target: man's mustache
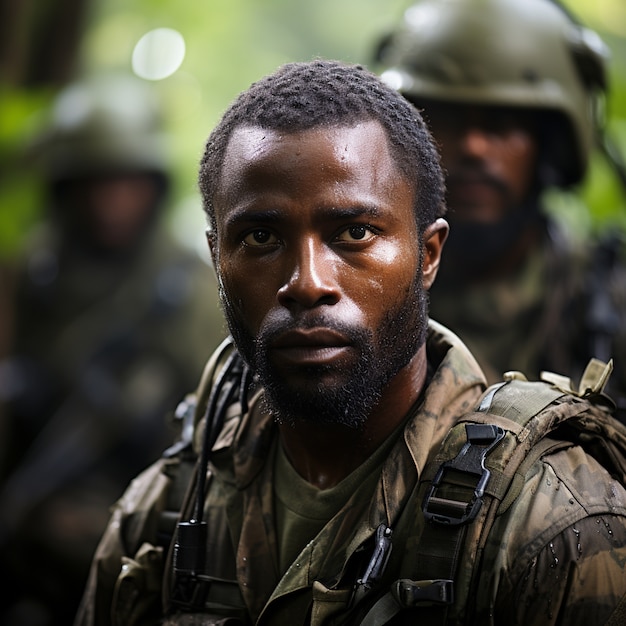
[281, 323]
[473, 175]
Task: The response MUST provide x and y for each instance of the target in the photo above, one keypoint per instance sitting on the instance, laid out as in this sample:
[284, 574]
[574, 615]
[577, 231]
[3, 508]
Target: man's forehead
[261, 157]
[249, 141]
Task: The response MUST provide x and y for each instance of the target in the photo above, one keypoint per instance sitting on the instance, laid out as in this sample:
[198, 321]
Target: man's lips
[313, 337]
[310, 346]
[474, 180]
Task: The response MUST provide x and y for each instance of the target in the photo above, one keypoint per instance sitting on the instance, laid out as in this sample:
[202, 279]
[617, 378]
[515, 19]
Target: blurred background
[198, 56]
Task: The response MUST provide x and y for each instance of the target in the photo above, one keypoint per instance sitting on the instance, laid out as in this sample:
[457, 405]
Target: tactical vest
[480, 470]
[476, 475]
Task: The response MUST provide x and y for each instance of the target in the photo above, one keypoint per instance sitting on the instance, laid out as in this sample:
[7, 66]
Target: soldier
[512, 91]
[304, 478]
[114, 321]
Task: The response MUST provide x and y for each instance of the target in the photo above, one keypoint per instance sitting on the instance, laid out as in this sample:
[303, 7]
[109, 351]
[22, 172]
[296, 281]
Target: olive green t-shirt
[302, 509]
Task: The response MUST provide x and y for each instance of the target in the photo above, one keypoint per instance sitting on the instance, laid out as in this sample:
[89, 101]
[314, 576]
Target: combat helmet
[522, 53]
[104, 124]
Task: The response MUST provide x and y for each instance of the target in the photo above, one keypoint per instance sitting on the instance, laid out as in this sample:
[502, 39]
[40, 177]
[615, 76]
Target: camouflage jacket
[564, 304]
[556, 555]
[524, 319]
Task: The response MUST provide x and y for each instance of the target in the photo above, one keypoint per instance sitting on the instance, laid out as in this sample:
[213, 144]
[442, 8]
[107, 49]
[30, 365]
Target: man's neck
[325, 454]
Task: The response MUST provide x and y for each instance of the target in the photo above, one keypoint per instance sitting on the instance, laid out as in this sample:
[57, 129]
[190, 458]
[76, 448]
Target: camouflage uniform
[528, 320]
[604, 307]
[558, 309]
[558, 550]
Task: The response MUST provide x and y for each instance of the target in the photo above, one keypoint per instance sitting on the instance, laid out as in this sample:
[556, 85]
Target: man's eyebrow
[351, 212]
[244, 216]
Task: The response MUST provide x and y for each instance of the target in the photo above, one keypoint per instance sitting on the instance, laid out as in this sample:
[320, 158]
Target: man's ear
[434, 239]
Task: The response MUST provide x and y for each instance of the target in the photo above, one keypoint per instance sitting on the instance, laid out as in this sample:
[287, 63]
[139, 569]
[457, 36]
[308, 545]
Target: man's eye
[260, 237]
[358, 232]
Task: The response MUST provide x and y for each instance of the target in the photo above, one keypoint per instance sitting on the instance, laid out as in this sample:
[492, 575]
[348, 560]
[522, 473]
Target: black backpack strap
[464, 485]
[453, 489]
[181, 470]
[225, 383]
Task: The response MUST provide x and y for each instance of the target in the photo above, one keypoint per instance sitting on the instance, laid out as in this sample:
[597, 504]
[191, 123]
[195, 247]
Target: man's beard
[475, 248]
[358, 388]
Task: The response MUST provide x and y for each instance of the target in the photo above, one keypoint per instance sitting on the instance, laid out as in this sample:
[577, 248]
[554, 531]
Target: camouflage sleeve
[559, 553]
[124, 555]
[578, 578]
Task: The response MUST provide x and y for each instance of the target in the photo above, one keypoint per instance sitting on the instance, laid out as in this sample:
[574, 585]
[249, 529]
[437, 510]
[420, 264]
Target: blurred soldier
[511, 90]
[114, 321]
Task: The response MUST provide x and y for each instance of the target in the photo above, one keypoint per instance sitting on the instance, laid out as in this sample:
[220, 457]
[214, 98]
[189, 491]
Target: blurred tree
[39, 40]
[39, 50]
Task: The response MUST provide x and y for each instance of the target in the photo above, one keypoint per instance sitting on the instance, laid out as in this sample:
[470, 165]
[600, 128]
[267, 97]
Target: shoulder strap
[470, 476]
[186, 416]
[478, 473]
[225, 383]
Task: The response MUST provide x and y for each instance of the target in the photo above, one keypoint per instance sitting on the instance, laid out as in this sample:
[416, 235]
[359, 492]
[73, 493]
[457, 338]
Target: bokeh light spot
[158, 54]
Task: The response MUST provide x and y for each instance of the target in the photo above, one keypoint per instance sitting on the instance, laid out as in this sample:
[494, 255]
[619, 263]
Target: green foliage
[602, 192]
[19, 186]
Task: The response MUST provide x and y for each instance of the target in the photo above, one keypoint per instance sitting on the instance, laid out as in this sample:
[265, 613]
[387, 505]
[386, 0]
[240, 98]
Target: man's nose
[310, 277]
[474, 140]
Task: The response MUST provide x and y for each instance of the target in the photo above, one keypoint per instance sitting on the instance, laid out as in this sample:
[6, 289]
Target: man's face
[111, 211]
[318, 258]
[489, 155]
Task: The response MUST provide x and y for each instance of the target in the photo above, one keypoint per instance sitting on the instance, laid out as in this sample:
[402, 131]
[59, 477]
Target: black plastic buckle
[412, 593]
[378, 561]
[481, 440]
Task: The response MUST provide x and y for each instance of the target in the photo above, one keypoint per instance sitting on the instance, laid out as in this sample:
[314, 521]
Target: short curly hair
[301, 96]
